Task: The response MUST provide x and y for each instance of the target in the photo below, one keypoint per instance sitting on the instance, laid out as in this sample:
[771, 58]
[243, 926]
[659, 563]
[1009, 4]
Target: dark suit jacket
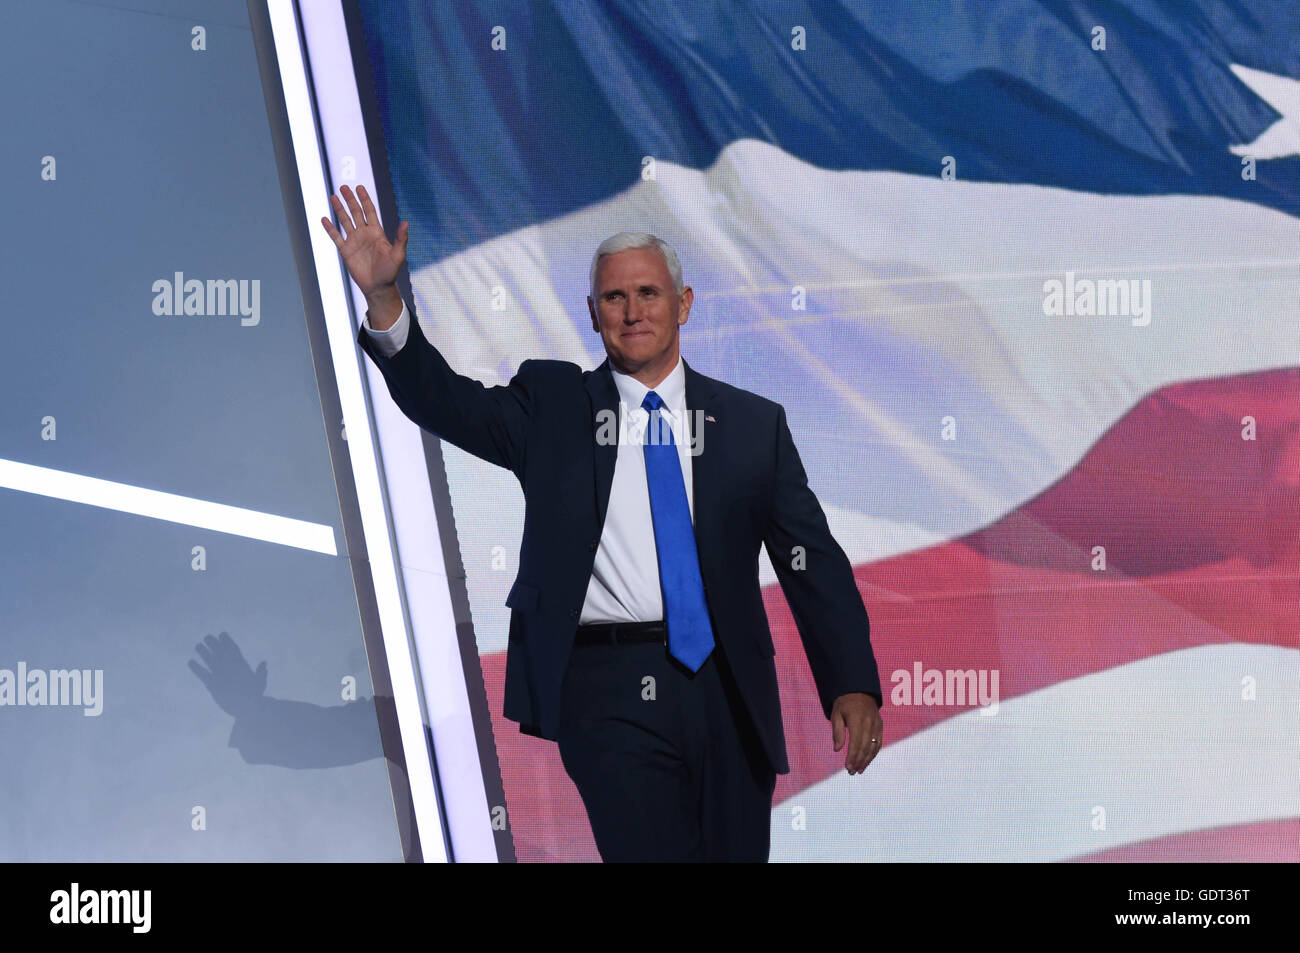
[750, 489]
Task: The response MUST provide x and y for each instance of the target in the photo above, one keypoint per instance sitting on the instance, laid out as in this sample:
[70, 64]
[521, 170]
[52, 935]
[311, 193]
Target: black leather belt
[619, 633]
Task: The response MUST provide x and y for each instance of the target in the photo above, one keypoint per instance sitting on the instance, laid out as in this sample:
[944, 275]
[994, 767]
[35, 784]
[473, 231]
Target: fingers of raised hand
[354, 206]
[355, 210]
[332, 232]
[342, 214]
[367, 206]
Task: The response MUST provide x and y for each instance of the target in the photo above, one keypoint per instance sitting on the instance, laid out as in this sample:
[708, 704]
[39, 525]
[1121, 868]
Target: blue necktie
[690, 635]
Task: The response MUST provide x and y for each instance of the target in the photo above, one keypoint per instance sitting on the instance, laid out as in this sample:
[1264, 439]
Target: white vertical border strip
[405, 471]
[361, 448]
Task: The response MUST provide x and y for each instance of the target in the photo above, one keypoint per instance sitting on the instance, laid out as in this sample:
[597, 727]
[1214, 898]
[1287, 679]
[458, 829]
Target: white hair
[625, 240]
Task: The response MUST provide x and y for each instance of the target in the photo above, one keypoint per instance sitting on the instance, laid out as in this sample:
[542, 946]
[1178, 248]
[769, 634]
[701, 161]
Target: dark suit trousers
[669, 769]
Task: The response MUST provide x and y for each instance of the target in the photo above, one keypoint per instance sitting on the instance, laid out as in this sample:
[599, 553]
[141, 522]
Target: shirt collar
[672, 389]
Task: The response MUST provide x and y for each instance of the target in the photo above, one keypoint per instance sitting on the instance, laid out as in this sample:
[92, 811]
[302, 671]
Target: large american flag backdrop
[1026, 277]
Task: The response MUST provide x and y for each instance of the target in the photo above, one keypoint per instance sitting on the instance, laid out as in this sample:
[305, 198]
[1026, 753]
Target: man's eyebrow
[651, 286]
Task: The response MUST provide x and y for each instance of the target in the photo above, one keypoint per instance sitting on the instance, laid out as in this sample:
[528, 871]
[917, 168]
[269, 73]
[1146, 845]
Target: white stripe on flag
[1150, 749]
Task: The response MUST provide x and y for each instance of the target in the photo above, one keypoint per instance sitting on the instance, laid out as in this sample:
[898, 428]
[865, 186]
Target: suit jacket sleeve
[823, 594]
[489, 422]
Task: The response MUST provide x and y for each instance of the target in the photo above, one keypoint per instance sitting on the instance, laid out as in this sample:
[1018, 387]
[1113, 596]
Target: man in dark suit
[638, 638]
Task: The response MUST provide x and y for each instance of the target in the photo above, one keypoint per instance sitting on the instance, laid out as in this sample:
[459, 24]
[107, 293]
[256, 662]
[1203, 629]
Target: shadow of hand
[233, 684]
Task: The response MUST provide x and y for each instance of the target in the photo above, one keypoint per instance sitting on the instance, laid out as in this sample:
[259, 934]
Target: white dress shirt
[624, 584]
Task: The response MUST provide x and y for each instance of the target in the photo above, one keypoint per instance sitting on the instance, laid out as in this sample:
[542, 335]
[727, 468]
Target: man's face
[637, 312]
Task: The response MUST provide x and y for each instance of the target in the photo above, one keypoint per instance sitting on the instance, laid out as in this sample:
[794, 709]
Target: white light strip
[361, 449]
[204, 514]
[406, 475]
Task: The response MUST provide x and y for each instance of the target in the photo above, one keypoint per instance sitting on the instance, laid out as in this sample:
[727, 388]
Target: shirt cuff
[393, 340]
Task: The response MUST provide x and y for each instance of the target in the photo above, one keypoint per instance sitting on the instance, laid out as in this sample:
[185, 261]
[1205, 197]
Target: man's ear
[684, 309]
[595, 322]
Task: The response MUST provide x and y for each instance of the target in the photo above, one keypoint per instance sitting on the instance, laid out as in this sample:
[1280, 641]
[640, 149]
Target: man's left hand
[857, 715]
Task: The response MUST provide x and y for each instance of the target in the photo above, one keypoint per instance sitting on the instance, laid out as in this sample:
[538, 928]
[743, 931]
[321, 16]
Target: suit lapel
[604, 401]
[706, 475]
